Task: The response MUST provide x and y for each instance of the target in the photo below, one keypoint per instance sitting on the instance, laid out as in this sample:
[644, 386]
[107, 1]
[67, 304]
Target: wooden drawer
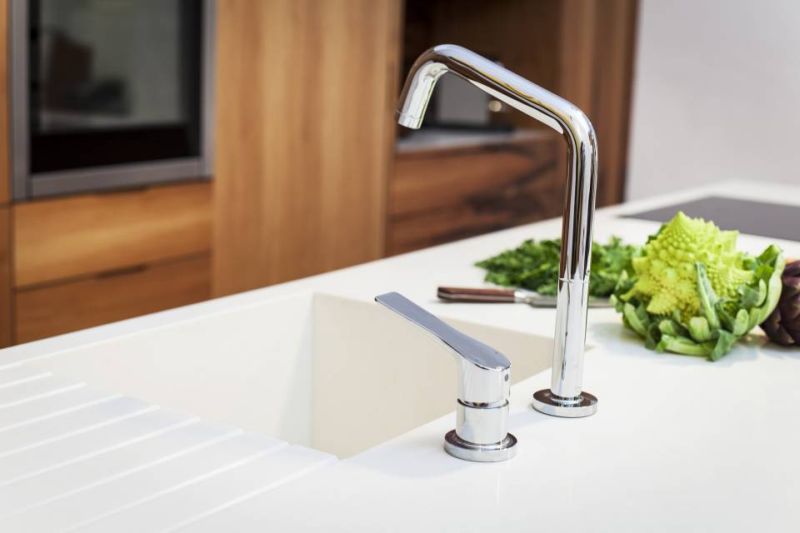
[437, 196]
[60, 308]
[5, 278]
[80, 235]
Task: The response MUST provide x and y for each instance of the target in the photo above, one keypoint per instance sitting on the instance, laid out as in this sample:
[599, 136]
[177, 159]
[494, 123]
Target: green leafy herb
[534, 265]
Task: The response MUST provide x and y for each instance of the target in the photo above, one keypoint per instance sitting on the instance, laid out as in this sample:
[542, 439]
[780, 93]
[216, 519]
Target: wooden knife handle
[466, 294]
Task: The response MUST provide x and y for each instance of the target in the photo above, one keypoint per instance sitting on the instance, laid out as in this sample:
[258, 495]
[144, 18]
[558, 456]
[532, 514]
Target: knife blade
[487, 295]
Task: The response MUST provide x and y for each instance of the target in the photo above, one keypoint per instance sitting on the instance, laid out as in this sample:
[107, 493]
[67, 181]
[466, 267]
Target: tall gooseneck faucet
[565, 396]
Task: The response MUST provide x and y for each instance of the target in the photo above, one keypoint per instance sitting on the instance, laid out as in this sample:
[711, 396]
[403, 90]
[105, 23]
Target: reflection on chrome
[565, 396]
[484, 383]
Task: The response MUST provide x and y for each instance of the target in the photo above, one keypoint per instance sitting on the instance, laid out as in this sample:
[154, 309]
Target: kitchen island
[678, 443]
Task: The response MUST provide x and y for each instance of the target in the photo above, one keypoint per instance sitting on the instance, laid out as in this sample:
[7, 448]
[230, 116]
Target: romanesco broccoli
[692, 293]
[667, 277]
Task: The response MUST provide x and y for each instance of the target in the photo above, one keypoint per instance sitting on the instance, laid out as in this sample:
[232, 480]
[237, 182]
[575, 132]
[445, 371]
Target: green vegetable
[699, 329]
[534, 265]
[635, 320]
[692, 293]
[667, 275]
[682, 345]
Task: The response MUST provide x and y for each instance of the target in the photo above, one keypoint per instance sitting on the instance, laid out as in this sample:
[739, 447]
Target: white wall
[716, 94]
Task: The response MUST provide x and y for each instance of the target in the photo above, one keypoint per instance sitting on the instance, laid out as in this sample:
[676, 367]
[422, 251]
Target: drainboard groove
[96, 453]
[44, 394]
[133, 470]
[240, 462]
[84, 429]
[252, 494]
[25, 379]
[64, 411]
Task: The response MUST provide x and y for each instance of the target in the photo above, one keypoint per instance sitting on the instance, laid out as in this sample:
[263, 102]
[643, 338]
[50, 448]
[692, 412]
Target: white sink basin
[334, 374]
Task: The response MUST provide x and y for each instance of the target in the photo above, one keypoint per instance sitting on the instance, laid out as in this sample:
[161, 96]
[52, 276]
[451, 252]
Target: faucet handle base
[548, 403]
[480, 453]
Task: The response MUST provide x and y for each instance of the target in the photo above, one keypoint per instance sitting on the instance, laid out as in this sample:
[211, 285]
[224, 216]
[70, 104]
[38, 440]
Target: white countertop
[677, 443]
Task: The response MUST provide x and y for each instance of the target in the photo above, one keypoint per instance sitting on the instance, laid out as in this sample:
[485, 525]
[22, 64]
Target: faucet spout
[565, 396]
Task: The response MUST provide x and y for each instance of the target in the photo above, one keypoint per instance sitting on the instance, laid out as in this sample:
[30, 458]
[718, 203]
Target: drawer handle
[124, 271]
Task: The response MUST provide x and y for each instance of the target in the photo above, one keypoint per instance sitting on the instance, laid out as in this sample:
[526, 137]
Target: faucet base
[548, 403]
[480, 453]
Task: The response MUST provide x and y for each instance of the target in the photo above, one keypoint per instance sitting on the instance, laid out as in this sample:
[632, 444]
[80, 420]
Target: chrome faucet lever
[483, 387]
[565, 396]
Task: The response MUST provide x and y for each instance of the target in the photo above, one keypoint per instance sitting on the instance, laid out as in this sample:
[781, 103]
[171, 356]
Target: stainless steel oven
[109, 93]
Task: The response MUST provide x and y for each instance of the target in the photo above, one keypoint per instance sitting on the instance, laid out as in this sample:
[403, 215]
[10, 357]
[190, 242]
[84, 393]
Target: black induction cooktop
[778, 221]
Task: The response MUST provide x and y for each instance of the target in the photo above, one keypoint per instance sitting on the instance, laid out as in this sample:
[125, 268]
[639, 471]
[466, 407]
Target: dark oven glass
[114, 82]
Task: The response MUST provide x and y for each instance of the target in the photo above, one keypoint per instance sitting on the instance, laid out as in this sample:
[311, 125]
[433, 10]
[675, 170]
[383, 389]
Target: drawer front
[59, 308]
[5, 278]
[440, 197]
[83, 235]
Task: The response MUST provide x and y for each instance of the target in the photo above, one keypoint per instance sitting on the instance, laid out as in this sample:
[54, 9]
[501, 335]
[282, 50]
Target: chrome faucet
[483, 387]
[565, 396]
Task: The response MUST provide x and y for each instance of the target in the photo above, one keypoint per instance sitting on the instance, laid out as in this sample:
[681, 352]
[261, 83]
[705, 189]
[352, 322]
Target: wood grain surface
[305, 131]
[598, 40]
[53, 309]
[80, 235]
[437, 197]
[6, 299]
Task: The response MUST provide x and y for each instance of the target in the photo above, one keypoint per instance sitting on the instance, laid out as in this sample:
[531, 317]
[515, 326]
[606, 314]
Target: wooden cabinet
[62, 307]
[73, 262]
[81, 235]
[597, 42]
[439, 195]
[6, 307]
[305, 104]
[307, 178]
[581, 49]
[85, 260]
[304, 149]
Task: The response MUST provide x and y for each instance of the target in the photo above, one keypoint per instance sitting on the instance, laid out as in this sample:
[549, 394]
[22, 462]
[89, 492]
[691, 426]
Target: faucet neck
[576, 233]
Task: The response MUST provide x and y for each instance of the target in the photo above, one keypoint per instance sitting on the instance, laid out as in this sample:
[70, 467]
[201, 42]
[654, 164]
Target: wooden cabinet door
[54, 309]
[65, 238]
[438, 196]
[306, 94]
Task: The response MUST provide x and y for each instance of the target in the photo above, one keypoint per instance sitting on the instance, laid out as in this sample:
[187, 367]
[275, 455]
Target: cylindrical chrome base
[548, 403]
[481, 453]
[481, 424]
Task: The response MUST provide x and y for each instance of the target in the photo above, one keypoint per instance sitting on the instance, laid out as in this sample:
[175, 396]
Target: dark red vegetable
[783, 325]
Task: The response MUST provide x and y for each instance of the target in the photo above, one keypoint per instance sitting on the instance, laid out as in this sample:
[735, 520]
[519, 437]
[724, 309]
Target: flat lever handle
[483, 387]
[465, 346]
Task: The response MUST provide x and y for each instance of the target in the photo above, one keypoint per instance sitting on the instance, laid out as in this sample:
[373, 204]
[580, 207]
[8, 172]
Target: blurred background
[157, 153]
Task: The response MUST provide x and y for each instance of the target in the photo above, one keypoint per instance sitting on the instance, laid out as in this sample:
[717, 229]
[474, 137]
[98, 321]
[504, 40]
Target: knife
[524, 296]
